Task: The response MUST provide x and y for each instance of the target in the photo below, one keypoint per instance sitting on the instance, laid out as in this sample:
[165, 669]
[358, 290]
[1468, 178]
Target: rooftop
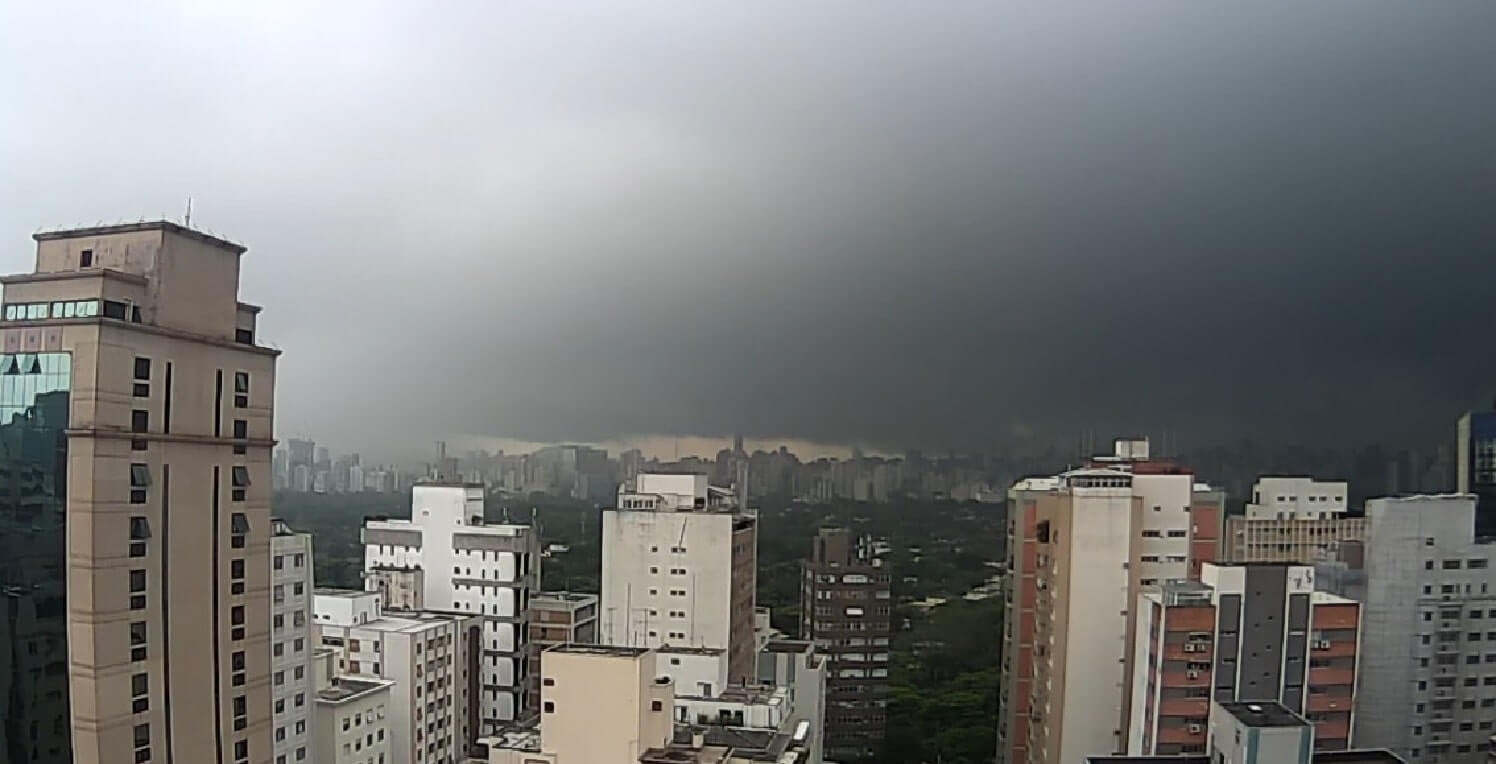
[344, 689]
[165, 226]
[572, 597]
[1264, 715]
[327, 591]
[787, 646]
[617, 652]
[686, 650]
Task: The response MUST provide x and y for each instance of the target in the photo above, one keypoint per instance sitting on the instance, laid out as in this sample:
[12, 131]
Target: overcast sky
[899, 224]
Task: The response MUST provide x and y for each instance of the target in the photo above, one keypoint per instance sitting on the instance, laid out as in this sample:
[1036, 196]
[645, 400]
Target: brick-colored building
[559, 618]
[1081, 547]
[1253, 632]
[845, 612]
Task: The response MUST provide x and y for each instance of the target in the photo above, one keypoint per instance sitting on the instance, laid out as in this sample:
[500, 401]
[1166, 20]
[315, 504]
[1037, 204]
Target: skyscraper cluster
[1145, 623]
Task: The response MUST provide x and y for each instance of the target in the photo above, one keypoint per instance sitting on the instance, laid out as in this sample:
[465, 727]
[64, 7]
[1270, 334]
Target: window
[241, 389]
[140, 420]
[1451, 565]
[85, 258]
[142, 735]
[137, 640]
[549, 707]
[140, 531]
[241, 749]
[241, 432]
[239, 527]
[236, 620]
[239, 477]
[140, 479]
[140, 689]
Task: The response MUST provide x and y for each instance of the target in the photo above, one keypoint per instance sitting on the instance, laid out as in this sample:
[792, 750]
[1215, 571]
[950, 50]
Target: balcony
[1325, 675]
[1184, 679]
[1321, 702]
[1197, 707]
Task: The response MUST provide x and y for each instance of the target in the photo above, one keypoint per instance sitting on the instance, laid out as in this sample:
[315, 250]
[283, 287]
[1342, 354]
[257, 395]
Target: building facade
[679, 568]
[845, 612]
[575, 728]
[352, 722]
[1081, 547]
[133, 385]
[291, 642]
[1256, 632]
[463, 564]
[559, 618]
[1428, 594]
[432, 658]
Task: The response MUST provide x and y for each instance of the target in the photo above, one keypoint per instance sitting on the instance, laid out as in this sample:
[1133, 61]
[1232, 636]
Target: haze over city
[883, 224]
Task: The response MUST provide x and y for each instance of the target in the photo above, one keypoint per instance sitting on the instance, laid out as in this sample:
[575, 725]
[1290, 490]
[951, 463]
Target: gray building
[1428, 593]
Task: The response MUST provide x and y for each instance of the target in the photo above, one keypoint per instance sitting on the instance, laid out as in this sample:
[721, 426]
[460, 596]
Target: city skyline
[575, 229]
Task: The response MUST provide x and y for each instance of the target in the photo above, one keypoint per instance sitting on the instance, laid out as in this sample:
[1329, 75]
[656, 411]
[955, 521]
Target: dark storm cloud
[865, 221]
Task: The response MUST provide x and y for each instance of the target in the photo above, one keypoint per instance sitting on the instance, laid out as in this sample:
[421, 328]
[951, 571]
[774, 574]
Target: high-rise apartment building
[1428, 595]
[678, 568]
[1475, 466]
[559, 618]
[352, 721]
[1292, 519]
[135, 435]
[432, 658]
[1256, 632]
[291, 643]
[464, 565]
[1081, 546]
[845, 611]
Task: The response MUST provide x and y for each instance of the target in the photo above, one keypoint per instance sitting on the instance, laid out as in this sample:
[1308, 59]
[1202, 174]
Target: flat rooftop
[164, 226]
[787, 646]
[570, 597]
[617, 652]
[686, 650]
[1264, 715]
[344, 689]
[327, 591]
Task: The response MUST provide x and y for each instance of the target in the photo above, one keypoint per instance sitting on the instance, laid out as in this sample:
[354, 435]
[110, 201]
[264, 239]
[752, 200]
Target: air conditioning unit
[1323, 644]
[1189, 647]
[1192, 674]
[1196, 729]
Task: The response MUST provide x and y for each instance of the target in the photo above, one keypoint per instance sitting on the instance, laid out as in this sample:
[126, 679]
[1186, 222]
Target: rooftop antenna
[187, 219]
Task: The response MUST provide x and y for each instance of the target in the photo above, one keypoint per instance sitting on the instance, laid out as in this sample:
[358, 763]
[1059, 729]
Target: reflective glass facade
[34, 392]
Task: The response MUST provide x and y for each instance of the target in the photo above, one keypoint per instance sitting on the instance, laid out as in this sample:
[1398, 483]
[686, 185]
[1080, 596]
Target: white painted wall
[1166, 521]
[367, 737]
[640, 591]
[1147, 627]
[1299, 497]
[693, 673]
[294, 642]
[346, 608]
[1099, 539]
[438, 512]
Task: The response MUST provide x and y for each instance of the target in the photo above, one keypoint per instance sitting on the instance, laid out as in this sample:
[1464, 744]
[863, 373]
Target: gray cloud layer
[879, 222]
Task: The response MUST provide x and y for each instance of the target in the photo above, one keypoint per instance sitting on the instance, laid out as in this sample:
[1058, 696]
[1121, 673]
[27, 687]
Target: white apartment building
[1302, 498]
[464, 565]
[678, 569]
[432, 718]
[1427, 588]
[352, 722]
[291, 645]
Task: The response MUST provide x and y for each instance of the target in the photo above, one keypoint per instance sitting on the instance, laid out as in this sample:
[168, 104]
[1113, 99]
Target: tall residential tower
[135, 438]
[678, 569]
